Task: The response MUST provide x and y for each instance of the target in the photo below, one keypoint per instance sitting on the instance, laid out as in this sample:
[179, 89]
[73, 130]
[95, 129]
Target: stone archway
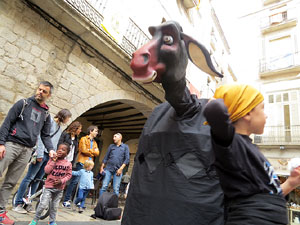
[110, 105]
[141, 103]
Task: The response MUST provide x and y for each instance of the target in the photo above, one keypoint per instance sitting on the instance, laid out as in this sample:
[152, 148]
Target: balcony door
[283, 121]
[287, 123]
[280, 53]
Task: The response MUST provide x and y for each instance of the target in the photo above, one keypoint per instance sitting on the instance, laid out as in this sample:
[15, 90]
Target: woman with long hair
[70, 136]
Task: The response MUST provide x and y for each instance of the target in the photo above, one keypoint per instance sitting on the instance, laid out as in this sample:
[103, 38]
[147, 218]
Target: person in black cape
[173, 179]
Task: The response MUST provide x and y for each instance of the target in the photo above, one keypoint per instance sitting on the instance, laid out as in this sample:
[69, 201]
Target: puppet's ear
[199, 55]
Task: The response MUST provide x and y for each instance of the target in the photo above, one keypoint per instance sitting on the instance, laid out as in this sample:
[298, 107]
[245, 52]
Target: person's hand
[119, 172]
[39, 159]
[294, 178]
[54, 158]
[52, 154]
[2, 151]
[101, 170]
[57, 182]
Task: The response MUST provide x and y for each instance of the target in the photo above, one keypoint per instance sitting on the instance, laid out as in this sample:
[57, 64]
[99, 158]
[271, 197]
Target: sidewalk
[64, 217]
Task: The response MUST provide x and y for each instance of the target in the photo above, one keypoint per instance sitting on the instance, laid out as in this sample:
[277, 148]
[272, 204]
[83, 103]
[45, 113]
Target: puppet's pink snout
[140, 62]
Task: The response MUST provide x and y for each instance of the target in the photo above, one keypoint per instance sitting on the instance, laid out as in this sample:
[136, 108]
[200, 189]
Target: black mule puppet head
[164, 58]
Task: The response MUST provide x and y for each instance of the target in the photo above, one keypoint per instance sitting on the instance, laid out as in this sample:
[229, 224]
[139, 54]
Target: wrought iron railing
[88, 11]
[94, 11]
[284, 61]
[99, 5]
[279, 135]
[134, 37]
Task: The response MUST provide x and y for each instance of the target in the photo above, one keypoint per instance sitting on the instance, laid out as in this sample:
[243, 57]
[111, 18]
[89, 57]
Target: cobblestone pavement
[64, 217]
[98, 222]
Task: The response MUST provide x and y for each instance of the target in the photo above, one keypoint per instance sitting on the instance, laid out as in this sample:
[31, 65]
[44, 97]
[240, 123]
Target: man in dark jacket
[18, 135]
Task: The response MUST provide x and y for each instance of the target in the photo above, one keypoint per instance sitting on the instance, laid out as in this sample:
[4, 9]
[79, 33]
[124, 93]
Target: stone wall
[34, 50]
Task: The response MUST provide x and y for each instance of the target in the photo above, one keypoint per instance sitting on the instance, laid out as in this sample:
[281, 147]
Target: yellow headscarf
[239, 99]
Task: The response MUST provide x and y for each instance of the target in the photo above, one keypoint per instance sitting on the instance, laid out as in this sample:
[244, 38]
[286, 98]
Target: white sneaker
[67, 204]
[19, 209]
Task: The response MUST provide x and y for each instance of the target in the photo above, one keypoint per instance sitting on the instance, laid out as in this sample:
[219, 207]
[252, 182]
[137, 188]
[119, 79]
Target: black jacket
[66, 138]
[36, 120]
[173, 179]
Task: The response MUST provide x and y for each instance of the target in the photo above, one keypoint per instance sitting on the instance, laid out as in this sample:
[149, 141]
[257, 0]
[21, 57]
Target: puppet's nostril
[146, 58]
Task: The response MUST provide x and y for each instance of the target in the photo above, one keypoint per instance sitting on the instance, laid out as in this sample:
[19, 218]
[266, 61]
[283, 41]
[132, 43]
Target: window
[294, 96]
[278, 18]
[283, 111]
[271, 98]
[285, 97]
[278, 98]
[280, 52]
[278, 14]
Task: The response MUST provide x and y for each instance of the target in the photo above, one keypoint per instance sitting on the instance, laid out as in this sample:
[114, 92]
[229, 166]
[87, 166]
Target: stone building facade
[62, 41]
[33, 50]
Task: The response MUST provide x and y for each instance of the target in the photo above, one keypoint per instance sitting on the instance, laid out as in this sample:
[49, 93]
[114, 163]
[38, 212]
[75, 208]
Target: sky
[241, 29]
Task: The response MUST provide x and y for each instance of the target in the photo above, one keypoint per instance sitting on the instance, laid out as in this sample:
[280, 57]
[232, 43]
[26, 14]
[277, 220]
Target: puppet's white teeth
[154, 75]
[148, 79]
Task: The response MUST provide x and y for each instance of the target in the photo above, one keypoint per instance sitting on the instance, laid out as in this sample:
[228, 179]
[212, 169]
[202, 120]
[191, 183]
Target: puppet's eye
[168, 40]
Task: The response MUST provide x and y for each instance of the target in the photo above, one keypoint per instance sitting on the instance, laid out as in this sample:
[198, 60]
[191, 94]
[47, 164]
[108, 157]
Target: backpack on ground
[107, 207]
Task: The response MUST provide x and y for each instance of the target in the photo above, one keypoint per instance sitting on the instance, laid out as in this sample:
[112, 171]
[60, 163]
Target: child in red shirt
[59, 171]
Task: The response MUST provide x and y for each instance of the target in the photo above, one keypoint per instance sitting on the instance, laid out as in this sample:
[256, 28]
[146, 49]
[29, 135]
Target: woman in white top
[70, 136]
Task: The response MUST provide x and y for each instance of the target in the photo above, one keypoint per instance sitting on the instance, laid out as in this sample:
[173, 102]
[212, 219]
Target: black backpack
[107, 207]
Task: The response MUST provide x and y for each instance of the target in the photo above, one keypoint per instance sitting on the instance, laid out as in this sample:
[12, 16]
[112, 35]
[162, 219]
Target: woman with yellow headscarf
[251, 187]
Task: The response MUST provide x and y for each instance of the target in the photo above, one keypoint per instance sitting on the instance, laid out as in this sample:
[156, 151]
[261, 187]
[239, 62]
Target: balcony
[94, 11]
[278, 21]
[289, 62]
[91, 24]
[279, 135]
[133, 38]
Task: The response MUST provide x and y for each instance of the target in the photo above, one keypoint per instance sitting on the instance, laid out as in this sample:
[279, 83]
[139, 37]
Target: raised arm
[217, 116]
[292, 182]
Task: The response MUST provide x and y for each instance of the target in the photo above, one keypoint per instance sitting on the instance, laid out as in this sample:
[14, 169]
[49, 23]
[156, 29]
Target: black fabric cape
[173, 180]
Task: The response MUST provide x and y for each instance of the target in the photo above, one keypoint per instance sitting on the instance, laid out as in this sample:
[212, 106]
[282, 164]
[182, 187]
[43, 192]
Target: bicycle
[29, 199]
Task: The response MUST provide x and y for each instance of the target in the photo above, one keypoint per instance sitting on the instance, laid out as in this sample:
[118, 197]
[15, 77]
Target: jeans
[35, 171]
[106, 180]
[15, 161]
[82, 193]
[73, 183]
